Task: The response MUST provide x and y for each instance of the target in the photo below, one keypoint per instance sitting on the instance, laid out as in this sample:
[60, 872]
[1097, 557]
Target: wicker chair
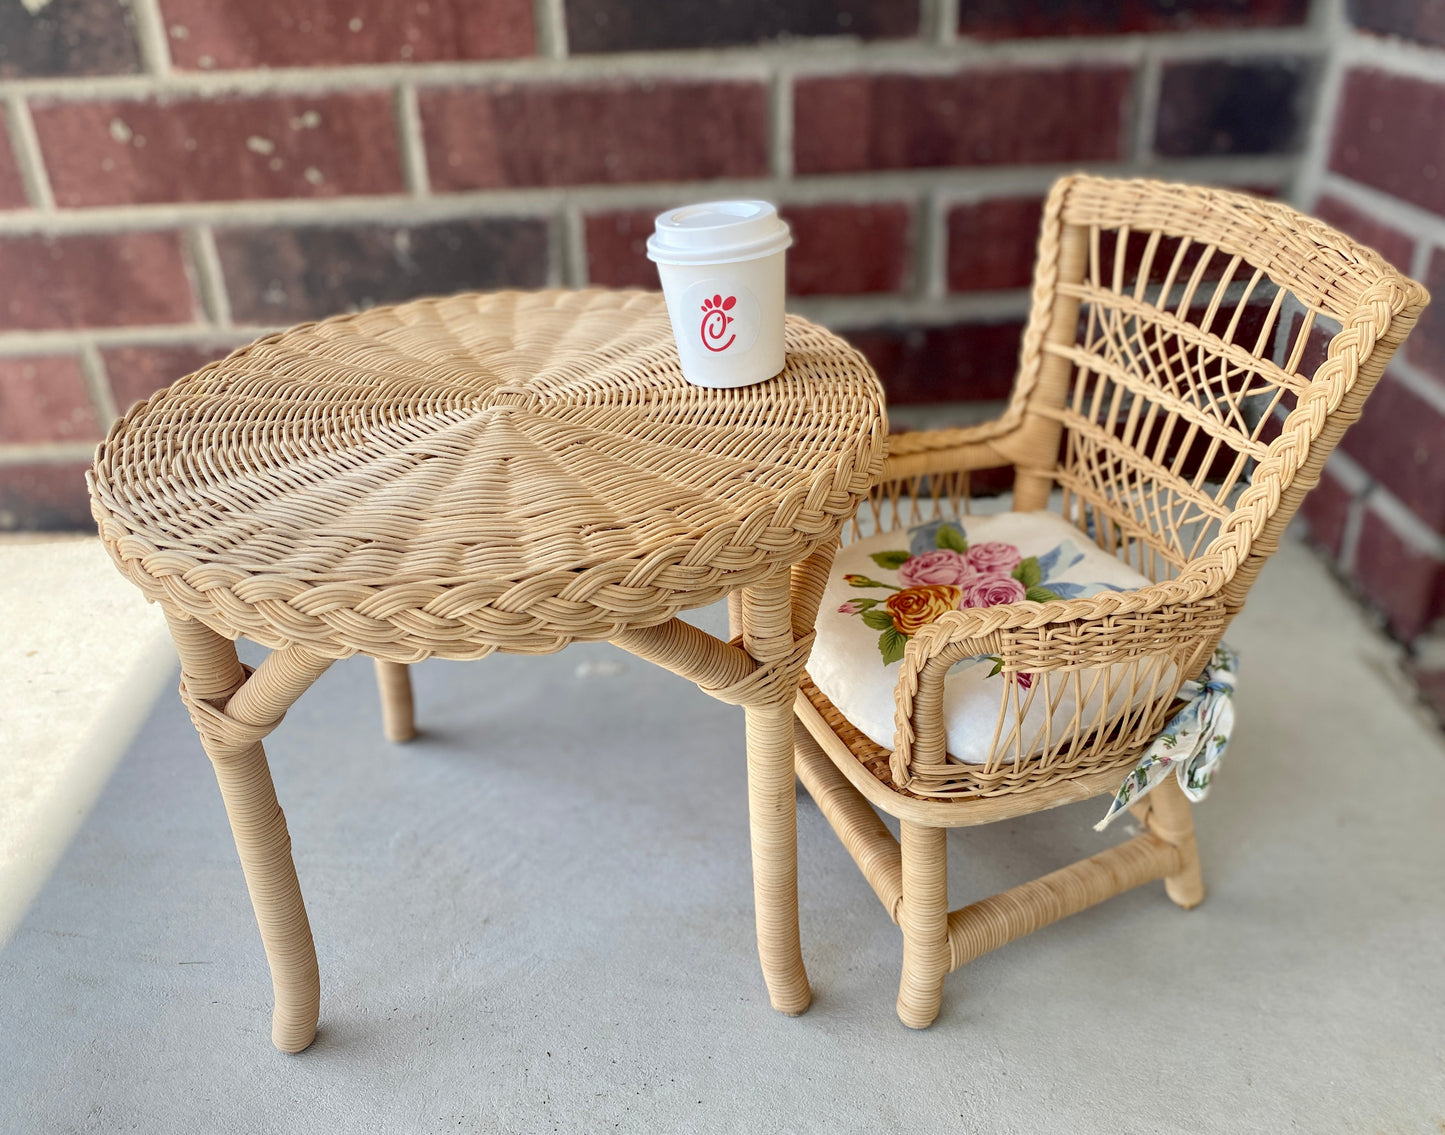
[1164, 404]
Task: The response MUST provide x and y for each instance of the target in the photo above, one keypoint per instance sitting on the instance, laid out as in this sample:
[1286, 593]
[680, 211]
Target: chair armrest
[958, 450]
[1172, 624]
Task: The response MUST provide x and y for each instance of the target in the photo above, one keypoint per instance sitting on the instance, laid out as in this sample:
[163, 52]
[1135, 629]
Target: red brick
[207, 34]
[1420, 20]
[12, 189]
[285, 274]
[645, 25]
[138, 372]
[617, 249]
[838, 249]
[963, 362]
[66, 37]
[228, 148]
[994, 117]
[1400, 441]
[39, 496]
[1327, 509]
[1007, 19]
[594, 133]
[45, 399]
[849, 249]
[1426, 345]
[1387, 134]
[1268, 192]
[1217, 106]
[1406, 582]
[991, 244]
[1389, 242]
[93, 281]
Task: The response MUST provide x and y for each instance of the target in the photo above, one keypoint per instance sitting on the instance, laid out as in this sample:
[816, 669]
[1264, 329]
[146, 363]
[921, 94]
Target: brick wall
[1375, 167]
[179, 176]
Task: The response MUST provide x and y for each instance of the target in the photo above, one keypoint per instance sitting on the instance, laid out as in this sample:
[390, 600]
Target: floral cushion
[884, 589]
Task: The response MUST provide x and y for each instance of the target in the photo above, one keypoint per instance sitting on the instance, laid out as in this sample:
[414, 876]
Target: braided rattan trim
[509, 471]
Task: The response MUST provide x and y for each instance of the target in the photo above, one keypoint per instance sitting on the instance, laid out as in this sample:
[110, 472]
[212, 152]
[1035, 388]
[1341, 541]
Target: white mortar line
[155, 46]
[1387, 53]
[1331, 21]
[1358, 484]
[821, 55]
[960, 183]
[1406, 524]
[855, 311]
[1423, 385]
[1356, 481]
[1146, 107]
[48, 453]
[97, 384]
[409, 137]
[26, 145]
[1420, 258]
[210, 278]
[575, 272]
[556, 251]
[1350, 532]
[938, 21]
[930, 245]
[900, 308]
[549, 18]
[180, 334]
[781, 107]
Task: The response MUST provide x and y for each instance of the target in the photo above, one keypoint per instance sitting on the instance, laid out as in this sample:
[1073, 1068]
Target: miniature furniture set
[517, 471]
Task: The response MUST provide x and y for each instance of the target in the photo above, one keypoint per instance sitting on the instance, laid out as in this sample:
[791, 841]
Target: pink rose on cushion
[941, 566]
[991, 590]
[994, 557]
[852, 607]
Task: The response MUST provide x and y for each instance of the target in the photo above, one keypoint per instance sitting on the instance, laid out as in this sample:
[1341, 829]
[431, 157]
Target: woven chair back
[1191, 358]
[1218, 342]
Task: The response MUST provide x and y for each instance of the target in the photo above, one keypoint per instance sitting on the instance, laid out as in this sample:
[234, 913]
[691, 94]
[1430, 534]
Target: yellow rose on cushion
[914, 608]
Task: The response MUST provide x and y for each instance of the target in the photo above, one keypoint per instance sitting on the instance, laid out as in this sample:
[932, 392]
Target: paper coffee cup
[721, 265]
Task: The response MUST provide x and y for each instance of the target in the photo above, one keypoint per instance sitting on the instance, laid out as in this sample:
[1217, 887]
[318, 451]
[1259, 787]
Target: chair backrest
[1171, 382]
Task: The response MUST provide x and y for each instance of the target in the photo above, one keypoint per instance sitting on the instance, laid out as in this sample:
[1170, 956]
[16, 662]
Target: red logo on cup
[715, 322]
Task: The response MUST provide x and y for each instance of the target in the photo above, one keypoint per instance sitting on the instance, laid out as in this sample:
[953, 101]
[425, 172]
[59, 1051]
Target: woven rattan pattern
[508, 471]
[1137, 348]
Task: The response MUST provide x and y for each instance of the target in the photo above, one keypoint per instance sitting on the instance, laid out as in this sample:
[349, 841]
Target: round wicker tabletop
[505, 471]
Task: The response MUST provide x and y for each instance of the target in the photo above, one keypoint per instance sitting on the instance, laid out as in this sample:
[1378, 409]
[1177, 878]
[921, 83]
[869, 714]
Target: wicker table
[504, 472]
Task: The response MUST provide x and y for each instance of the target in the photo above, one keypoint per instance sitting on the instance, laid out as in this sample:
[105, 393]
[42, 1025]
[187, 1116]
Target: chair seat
[883, 589]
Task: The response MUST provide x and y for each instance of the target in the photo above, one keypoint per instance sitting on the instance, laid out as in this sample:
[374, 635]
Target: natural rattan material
[507, 472]
[1162, 392]
[450, 477]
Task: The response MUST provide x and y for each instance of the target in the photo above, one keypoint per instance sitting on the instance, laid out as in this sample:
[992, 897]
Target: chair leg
[1169, 817]
[393, 683]
[234, 712]
[923, 916]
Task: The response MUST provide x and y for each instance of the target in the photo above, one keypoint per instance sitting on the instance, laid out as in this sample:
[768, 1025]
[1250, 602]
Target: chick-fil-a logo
[715, 322]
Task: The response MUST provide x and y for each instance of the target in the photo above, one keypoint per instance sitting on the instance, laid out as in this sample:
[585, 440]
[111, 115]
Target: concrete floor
[538, 917]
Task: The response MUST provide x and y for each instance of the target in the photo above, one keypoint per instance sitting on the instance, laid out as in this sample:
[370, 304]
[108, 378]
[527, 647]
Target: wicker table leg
[232, 712]
[768, 636]
[393, 683]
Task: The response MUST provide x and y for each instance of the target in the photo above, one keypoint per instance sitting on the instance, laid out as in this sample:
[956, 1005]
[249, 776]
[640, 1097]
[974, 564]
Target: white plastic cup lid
[718, 232]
